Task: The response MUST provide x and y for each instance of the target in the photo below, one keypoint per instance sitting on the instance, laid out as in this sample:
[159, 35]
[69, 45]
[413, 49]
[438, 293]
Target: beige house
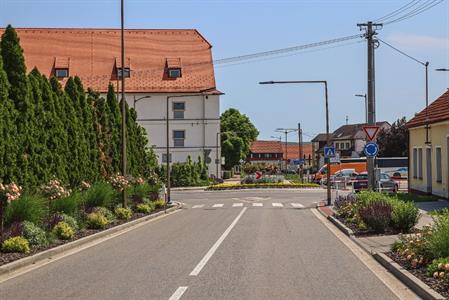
[429, 143]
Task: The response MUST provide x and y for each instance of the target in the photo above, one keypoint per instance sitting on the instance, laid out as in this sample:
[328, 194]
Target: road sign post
[371, 149]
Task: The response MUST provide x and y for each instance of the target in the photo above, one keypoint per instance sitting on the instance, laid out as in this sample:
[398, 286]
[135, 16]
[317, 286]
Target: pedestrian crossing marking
[258, 204]
[218, 205]
[237, 204]
[198, 206]
[277, 204]
[254, 204]
[297, 205]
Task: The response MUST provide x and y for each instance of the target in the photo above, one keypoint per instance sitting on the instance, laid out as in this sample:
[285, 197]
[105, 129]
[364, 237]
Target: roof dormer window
[126, 72]
[174, 72]
[126, 68]
[61, 73]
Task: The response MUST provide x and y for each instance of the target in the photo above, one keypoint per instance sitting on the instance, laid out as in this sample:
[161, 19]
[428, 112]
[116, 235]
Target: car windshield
[362, 177]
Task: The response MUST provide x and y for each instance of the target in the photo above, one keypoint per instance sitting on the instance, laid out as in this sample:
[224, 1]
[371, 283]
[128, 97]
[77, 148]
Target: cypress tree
[114, 125]
[102, 122]
[91, 124]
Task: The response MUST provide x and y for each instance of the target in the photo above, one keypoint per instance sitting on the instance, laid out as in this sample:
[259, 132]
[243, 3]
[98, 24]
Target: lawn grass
[416, 197]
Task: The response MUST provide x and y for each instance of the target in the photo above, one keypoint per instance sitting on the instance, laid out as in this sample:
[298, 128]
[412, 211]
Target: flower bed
[225, 186]
[371, 213]
[426, 254]
[55, 215]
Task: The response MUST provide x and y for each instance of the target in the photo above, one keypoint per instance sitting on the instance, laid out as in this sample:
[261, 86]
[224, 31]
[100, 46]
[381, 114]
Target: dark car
[386, 184]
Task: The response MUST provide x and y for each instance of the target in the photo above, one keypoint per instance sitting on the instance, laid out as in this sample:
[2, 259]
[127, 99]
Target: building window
[420, 162]
[438, 164]
[348, 146]
[179, 137]
[415, 163]
[174, 72]
[62, 73]
[342, 146]
[178, 110]
[126, 72]
[164, 157]
[337, 145]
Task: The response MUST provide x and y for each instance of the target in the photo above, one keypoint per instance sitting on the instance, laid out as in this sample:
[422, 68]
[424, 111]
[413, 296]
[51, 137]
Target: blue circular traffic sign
[371, 149]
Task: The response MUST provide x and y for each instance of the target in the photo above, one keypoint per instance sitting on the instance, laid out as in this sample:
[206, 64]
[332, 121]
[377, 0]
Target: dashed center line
[237, 205]
[218, 205]
[178, 293]
[198, 206]
[277, 204]
[258, 204]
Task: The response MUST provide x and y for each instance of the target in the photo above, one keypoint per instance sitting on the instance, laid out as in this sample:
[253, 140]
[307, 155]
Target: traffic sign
[371, 131]
[298, 161]
[371, 149]
[329, 152]
[259, 175]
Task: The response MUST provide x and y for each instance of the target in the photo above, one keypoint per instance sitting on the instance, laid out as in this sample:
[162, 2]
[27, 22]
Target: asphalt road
[271, 250]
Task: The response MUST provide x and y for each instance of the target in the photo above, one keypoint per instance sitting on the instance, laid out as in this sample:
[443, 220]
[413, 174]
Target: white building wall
[201, 124]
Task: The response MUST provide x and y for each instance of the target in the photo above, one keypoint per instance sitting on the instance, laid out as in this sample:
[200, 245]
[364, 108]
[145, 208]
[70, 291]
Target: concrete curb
[48, 254]
[262, 188]
[192, 188]
[416, 285]
[412, 282]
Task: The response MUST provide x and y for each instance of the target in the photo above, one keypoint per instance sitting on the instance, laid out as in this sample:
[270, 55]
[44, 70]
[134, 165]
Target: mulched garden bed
[10, 257]
[440, 286]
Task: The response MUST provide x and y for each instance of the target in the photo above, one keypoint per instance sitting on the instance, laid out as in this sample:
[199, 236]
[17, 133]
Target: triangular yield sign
[371, 131]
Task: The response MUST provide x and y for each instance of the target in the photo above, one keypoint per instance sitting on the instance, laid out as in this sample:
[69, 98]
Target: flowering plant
[119, 182]
[85, 185]
[139, 181]
[10, 192]
[54, 190]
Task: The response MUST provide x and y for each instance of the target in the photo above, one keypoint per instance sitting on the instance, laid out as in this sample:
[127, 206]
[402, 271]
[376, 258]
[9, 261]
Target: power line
[402, 52]
[417, 11]
[397, 11]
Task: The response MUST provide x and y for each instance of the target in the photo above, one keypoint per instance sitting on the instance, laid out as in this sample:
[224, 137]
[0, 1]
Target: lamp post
[366, 105]
[442, 70]
[327, 120]
[122, 31]
[138, 99]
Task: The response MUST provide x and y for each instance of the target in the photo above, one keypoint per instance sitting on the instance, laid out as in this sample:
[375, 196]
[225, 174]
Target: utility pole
[122, 13]
[286, 131]
[300, 152]
[372, 43]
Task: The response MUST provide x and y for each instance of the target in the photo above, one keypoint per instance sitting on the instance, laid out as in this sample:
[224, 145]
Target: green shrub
[71, 221]
[159, 203]
[100, 194]
[123, 213]
[376, 215]
[439, 239]
[35, 235]
[140, 191]
[438, 265]
[16, 244]
[63, 231]
[68, 205]
[143, 208]
[96, 220]
[28, 207]
[227, 174]
[105, 212]
[405, 215]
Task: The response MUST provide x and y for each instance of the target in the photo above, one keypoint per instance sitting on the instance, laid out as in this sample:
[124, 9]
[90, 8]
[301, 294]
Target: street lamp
[138, 99]
[442, 70]
[280, 143]
[286, 131]
[327, 121]
[366, 105]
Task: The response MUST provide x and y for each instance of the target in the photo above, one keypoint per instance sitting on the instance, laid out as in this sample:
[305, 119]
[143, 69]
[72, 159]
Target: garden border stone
[48, 254]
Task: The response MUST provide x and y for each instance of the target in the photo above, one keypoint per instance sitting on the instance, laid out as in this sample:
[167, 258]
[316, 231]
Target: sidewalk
[233, 180]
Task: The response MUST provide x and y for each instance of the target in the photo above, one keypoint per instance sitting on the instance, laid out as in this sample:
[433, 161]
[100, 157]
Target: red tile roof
[293, 151]
[437, 111]
[266, 147]
[93, 55]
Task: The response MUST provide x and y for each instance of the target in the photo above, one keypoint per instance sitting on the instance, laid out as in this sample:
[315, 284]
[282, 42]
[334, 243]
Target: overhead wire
[402, 52]
[397, 11]
[417, 11]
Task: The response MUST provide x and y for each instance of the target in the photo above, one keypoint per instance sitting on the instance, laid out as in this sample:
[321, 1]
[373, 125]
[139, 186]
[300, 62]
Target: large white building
[160, 66]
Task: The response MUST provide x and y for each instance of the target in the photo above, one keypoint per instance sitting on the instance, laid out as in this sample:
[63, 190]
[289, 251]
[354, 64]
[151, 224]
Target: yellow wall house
[429, 155]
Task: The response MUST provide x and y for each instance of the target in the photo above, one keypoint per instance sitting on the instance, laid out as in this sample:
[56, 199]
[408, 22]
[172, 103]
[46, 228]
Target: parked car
[385, 183]
[399, 173]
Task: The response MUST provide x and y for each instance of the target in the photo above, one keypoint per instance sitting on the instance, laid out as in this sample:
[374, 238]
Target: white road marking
[237, 205]
[297, 205]
[178, 293]
[198, 206]
[258, 204]
[397, 287]
[217, 244]
[277, 204]
[257, 198]
[236, 199]
[218, 205]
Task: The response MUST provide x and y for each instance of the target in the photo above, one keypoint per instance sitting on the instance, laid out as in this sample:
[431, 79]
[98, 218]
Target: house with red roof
[428, 149]
[168, 72]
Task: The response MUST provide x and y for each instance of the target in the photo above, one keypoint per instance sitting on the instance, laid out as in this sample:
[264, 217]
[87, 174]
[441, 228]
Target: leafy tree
[393, 142]
[237, 135]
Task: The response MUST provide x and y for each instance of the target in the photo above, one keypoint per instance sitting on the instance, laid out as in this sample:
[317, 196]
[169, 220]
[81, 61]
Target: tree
[237, 135]
[393, 142]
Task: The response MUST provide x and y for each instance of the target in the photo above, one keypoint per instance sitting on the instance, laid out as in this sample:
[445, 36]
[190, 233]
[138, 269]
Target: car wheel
[396, 188]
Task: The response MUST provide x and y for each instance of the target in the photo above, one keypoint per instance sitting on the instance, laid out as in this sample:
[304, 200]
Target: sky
[249, 26]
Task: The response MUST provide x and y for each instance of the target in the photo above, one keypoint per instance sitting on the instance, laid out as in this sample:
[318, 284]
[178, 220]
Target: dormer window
[61, 73]
[174, 72]
[126, 72]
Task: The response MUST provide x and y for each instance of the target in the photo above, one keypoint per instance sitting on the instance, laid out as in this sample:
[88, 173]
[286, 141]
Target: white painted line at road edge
[237, 205]
[217, 244]
[178, 293]
[397, 287]
[218, 205]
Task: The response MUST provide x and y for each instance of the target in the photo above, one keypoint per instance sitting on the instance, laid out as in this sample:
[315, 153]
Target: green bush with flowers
[16, 244]
[123, 213]
[143, 208]
[96, 220]
[63, 231]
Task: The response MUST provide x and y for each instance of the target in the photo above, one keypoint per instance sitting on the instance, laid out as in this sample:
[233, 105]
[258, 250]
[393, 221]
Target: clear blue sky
[241, 27]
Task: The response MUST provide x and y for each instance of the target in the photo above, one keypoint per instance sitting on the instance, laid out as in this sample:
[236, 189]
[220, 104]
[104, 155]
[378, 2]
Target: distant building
[348, 140]
[158, 63]
[275, 152]
[429, 159]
